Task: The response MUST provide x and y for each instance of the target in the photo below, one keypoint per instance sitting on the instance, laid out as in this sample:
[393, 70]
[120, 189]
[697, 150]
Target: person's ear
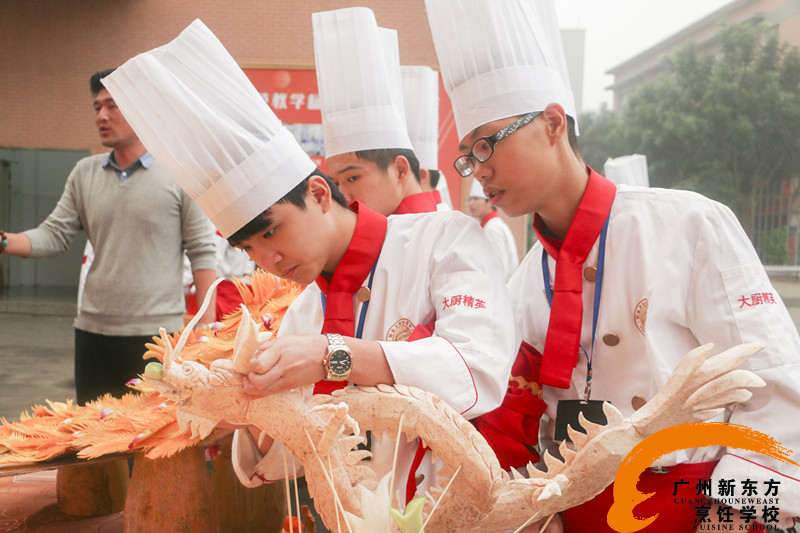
[556, 119]
[403, 167]
[318, 192]
[425, 179]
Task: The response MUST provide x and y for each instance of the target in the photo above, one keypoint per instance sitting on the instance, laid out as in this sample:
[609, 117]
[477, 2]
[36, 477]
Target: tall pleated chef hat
[499, 59]
[444, 190]
[421, 100]
[629, 169]
[358, 74]
[201, 118]
[476, 191]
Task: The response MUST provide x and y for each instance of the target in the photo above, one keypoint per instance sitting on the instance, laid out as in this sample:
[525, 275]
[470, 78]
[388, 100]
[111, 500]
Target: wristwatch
[338, 361]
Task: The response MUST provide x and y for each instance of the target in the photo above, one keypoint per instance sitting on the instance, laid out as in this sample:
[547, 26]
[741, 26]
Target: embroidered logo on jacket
[759, 298]
[464, 301]
[640, 315]
[400, 331]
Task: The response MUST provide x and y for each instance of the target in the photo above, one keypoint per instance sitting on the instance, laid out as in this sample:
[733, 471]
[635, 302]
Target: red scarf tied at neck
[562, 343]
[350, 274]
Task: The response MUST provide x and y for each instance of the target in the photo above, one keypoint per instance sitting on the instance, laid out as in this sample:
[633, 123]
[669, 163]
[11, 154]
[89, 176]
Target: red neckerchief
[563, 338]
[422, 202]
[492, 214]
[350, 274]
[512, 430]
[437, 197]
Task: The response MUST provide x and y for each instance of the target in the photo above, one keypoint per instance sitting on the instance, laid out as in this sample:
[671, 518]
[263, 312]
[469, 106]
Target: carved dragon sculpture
[325, 430]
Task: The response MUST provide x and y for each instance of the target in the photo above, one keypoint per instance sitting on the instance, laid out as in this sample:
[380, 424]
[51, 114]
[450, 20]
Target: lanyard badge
[568, 411]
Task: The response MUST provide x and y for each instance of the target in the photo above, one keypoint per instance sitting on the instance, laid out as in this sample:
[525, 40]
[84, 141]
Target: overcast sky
[617, 30]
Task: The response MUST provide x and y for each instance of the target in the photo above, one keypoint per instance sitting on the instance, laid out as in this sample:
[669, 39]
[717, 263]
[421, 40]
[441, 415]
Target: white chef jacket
[500, 236]
[88, 259]
[679, 272]
[433, 266]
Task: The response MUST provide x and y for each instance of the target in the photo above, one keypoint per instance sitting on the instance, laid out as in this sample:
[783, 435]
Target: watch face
[339, 362]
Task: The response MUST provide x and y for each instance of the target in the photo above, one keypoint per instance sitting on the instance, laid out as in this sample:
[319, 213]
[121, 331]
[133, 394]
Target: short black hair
[573, 138]
[95, 84]
[383, 157]
[297, 196]
[434, 177]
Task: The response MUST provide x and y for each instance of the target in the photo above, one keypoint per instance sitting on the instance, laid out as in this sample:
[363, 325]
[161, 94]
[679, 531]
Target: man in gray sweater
[139, 222]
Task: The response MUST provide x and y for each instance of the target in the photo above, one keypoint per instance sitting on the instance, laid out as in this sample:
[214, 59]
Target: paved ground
[37, 361]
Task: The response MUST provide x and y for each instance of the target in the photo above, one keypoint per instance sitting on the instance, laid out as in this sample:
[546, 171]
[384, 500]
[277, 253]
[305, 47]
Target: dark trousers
[104, 363]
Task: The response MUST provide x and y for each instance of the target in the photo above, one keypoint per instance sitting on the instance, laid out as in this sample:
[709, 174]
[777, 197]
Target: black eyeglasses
[483, 148]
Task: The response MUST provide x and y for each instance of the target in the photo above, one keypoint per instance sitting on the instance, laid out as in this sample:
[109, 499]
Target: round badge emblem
[640, 315]
[400, 331]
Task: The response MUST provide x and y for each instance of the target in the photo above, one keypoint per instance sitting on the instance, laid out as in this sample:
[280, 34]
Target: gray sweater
[138, 228]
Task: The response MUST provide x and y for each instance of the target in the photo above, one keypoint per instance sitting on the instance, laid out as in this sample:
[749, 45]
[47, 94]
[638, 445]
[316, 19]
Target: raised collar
[423, 202]
[492, 214]
[146, 159]
[585, 227]
[352, 270]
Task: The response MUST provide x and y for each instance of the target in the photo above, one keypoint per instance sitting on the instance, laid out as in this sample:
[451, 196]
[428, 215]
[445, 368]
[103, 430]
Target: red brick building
[52, 47]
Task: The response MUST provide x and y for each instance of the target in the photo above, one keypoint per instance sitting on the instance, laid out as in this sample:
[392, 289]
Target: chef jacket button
[611, 339]
[363, 294]
[637, 402]
[590, 273]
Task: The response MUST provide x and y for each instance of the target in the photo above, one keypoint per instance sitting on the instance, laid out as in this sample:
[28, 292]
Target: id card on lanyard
[568, 411]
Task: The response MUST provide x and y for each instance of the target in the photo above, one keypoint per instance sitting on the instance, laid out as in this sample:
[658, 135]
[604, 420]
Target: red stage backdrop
[293, 96]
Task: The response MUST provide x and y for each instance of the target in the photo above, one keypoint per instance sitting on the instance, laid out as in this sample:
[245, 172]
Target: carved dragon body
[322, 432]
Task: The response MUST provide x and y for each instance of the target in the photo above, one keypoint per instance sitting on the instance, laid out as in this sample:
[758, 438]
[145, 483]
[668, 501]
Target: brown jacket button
[637, 402]
[611, 339]
[590, 273]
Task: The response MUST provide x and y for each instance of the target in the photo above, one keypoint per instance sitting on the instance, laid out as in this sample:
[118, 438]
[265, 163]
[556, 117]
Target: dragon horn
[195, 319]
[246, 342]
[167, 348]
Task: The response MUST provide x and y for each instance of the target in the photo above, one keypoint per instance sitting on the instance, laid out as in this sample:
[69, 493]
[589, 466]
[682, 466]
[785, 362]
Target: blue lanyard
[360, 328]
[598, 289]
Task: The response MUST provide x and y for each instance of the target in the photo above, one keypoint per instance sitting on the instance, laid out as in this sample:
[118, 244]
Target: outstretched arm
[296, 361]
[16, 244]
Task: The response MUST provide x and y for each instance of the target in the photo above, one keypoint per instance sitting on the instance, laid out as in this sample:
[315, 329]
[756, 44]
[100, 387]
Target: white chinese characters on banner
[296, 101]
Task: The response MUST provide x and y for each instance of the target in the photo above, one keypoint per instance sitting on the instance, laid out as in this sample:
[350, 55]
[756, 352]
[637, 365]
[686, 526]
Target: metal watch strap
[335, 339]
[335, 342]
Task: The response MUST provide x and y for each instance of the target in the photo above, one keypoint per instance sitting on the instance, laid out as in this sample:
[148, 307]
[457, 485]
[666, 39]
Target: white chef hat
[201, 118]
[444, 190]
[421, 100]
[499, 59]
[629, 169]
[476, 191]
[358, 74]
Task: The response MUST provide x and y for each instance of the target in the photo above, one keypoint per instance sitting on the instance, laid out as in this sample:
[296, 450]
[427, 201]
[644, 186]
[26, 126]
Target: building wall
[52, 47]
[31, 182]
[628, 76]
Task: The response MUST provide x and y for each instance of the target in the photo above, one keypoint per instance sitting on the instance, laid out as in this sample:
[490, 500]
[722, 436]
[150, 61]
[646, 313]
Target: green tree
[601, 137]
[726, 124]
